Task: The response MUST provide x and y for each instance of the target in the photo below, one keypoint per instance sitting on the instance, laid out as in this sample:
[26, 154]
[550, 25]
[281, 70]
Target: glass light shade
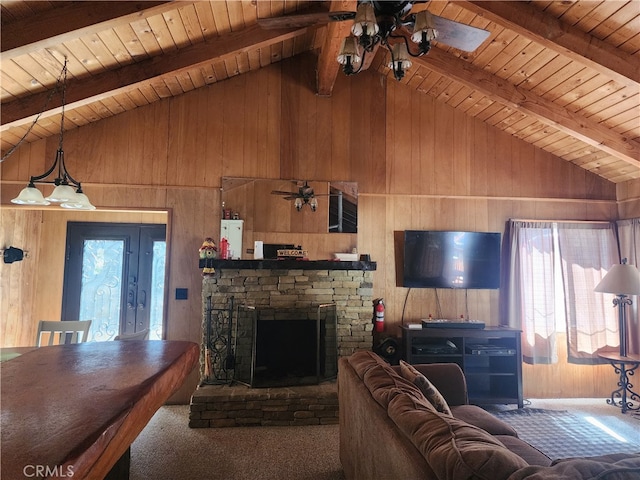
[313, 203]
[81, 202]
[621, 279]
[365, 21]
[399, 57]
[424, 23]
[349, 52]
[62, 193]
[298, 203]
[30, 196]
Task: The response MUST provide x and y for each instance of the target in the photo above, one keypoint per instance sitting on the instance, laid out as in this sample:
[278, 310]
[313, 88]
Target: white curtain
[587, 251]
[551, 271]
[530, 289]
[629, 238]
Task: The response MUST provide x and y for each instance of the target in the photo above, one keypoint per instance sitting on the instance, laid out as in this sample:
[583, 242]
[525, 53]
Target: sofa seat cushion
[528, 453]
[481, 418]
[593, 468]
[453, 448]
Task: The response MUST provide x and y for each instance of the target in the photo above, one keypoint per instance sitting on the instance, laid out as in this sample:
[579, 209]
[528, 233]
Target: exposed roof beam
[500, 90]
[567, 40]
[85, 91]
[336, 32]
[55, 26]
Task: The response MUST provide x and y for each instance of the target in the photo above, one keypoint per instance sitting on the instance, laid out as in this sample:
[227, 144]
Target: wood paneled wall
[419, 164]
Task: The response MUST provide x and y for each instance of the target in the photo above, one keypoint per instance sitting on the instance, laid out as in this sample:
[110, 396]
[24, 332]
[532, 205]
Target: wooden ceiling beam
[328, 66]
[548, 31]
[500, 90]
[58, 25]
[84, 91]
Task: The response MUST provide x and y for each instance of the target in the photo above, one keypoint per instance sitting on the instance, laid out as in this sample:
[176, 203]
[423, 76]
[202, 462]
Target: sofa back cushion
[425, 386]
[383, 383]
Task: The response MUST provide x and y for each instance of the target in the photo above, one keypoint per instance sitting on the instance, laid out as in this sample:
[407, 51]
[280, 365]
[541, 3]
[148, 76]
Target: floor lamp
[622, 280]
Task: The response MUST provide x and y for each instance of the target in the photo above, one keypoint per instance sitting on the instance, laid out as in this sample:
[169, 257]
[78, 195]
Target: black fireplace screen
[286, 346]
[219, 358]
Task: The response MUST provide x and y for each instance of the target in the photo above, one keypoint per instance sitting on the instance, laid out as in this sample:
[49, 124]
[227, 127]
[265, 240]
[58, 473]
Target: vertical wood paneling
[419, 165]
[20, 229]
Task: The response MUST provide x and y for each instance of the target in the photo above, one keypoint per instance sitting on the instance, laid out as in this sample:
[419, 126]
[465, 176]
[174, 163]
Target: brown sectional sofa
[390, 430]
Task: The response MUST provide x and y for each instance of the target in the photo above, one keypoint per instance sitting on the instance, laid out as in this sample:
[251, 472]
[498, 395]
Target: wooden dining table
[72, 411]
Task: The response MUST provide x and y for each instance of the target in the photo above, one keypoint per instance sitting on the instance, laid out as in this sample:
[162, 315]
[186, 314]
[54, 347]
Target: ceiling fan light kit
[373, 26]
[376, 22]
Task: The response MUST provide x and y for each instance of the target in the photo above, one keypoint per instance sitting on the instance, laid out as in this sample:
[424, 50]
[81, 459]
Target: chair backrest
[141, 335]
[67, 331]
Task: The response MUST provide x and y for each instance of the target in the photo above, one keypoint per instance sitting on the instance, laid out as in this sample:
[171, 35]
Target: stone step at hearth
[237, 405]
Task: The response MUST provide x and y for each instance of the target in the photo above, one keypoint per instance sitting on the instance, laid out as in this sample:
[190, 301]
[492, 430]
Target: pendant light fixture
[68, 191]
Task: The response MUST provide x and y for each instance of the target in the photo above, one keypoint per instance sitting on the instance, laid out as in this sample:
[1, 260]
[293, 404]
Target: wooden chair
[63, 332]
[141, 335]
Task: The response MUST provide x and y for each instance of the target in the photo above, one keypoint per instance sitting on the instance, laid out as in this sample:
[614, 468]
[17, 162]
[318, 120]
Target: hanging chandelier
[376, 26]
[67, 191]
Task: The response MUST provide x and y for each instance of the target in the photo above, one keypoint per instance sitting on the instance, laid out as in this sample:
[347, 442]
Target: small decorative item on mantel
[208, 251]
[293, 254]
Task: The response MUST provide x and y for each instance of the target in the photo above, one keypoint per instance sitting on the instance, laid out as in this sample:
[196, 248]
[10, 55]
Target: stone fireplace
[307, 314]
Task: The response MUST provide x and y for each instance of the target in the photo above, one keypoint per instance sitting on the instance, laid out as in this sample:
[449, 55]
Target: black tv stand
[490, 357]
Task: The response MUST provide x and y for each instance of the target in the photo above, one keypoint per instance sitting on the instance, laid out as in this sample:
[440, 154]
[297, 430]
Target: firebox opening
[286, 353]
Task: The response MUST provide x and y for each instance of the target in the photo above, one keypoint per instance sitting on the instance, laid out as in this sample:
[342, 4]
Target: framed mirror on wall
[292, 206]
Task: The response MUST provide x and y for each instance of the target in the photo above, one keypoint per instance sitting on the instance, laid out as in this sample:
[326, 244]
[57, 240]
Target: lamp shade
[365, 21]
[62, 193]
[80, 202]
[399, 57]
[30, 196]
[424, 23]
[621, 279]
[349, 52]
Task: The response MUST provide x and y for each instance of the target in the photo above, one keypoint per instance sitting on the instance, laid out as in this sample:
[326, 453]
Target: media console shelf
[491, 359]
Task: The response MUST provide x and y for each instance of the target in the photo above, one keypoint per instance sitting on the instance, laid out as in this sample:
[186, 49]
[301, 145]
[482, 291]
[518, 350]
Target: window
[553, 271]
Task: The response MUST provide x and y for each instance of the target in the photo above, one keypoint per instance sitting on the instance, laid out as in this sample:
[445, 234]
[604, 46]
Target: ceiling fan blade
[280, 192]
[459, 35]
[298, 20]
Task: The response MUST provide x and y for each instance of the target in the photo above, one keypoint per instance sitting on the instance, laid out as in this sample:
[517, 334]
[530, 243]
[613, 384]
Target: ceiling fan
[391, 24]
[304, 196]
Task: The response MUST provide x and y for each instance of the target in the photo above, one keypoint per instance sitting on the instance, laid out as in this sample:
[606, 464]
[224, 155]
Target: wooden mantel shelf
[287, 265]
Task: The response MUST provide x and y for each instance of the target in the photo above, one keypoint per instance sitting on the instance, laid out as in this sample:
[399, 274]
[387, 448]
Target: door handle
[142, 299]
[131, 294]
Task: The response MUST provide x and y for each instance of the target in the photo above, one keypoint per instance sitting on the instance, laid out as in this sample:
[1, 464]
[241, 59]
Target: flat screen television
[447, 259]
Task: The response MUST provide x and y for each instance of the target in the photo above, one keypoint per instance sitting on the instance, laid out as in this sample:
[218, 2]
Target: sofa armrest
[449, 379]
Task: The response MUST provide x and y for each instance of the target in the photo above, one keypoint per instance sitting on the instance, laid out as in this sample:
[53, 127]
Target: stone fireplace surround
[285, 284]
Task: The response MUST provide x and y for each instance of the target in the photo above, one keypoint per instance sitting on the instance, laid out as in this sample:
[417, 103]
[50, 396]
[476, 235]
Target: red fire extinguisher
[378, 314]
[224, 248]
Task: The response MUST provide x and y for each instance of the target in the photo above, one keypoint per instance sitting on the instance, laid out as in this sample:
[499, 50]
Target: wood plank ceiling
[561, 75]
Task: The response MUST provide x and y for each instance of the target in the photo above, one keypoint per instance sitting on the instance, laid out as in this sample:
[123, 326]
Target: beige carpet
[167, 449]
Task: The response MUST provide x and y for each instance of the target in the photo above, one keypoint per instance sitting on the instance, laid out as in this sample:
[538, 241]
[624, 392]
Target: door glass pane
[100, 296]
[157, 290]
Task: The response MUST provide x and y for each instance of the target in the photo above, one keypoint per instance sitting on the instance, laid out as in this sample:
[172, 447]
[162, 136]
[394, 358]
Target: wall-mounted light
[68, 191]
[13, 254]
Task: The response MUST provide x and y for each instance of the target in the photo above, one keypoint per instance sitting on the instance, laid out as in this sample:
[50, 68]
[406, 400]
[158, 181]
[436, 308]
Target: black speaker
[389, 349]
